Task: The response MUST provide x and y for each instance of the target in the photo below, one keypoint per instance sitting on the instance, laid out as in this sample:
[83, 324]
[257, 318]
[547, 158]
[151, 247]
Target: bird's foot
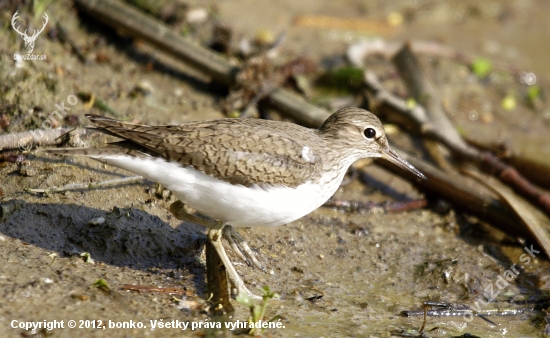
[241, 248]
[237, 284]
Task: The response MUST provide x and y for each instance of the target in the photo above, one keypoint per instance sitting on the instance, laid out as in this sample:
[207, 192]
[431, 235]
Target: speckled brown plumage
[246, 151]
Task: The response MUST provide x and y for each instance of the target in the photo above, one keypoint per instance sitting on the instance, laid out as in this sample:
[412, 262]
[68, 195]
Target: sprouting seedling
[257, 312]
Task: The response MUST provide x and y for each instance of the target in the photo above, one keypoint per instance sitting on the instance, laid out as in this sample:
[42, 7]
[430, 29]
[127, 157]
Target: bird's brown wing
[238, 151]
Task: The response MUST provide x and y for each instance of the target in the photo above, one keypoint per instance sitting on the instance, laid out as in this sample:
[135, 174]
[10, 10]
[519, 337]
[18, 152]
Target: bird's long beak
[394, 158]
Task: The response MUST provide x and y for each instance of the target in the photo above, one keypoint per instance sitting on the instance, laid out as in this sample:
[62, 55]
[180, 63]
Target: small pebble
[96, 221]
[196, 15]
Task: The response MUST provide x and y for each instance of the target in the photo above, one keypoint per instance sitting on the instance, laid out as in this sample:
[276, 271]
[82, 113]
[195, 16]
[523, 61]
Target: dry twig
[463, 195]
[35, 138]
[132, 22]
[536, 171]
[535, 221]
[93, 185]
[396, 110]
[148, 288]
[423, 92]
[389, 207]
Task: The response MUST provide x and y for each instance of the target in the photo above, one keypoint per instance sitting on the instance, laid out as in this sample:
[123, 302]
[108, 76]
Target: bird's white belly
[233, 204]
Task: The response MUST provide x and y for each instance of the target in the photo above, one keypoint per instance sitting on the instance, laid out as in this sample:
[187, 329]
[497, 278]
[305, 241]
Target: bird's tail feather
[115, 148]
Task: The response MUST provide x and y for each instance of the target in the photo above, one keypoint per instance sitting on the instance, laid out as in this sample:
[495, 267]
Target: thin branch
[34, 138]
[421, 89]
[534, 221]
[132, 22]
[93, 185]
[535, 171]
[463, 195]
[261, 94]
[148, 288]
[389, 207]
[424, 93]
[362, 49]
[397, 111]
[445, 312]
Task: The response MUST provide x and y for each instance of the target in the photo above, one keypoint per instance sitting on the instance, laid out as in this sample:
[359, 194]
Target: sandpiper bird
[245, 172]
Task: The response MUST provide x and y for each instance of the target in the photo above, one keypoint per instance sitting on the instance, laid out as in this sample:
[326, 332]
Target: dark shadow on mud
[127, 237]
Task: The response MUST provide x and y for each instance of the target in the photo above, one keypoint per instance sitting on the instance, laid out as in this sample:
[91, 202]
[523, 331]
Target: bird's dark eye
[369, 133]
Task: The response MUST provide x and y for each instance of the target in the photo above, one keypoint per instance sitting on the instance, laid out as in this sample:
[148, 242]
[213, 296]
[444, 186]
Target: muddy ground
[339, 274]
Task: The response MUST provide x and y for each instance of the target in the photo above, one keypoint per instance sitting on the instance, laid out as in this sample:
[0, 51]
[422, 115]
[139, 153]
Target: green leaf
[102, 285]
[481, 67]
[509, 102]
[411, 102]
[533, 93]
[101, 282]
[244, 299]
[87, 258]
[342, 80]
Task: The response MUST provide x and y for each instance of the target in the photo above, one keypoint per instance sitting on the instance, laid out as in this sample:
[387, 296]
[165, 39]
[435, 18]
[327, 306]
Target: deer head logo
[29, 40]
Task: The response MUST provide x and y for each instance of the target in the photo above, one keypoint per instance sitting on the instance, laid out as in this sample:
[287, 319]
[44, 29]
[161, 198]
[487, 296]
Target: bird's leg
[178, 210]
[215, 236]
[215, 233]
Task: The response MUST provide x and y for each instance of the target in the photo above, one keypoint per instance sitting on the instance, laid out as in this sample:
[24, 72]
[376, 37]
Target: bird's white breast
[233, 204]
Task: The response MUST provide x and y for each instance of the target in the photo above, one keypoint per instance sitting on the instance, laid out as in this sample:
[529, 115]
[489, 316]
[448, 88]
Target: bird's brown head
[360, 134]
